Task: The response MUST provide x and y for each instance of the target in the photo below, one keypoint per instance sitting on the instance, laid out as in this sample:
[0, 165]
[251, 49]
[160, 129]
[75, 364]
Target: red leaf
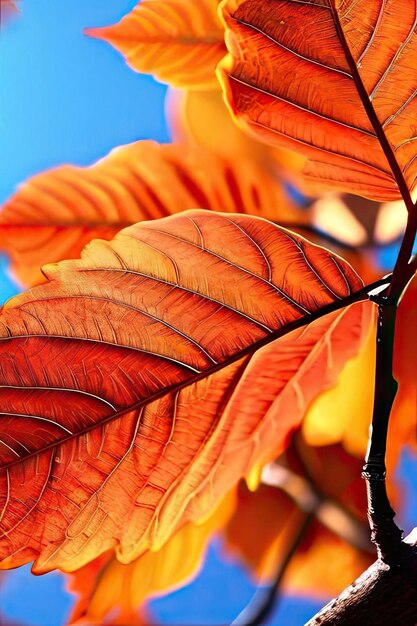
[144, 380]
[288, 78]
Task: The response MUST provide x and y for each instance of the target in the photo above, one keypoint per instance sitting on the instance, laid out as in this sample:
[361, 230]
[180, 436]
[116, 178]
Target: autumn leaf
[178, 41]
[54, 214]
[336, 545]
[353, 394]
[334, 79]
[201, 118]
[403, 417]
[108, 588]
[142, 381]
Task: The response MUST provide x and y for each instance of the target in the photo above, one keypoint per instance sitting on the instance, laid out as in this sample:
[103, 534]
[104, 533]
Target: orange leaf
[56, 213]
[288, 79]
[266, 522]
[353, 395]
[201, 118]
[144, 380]
[105, 585]
[404, 412]
[179, 41]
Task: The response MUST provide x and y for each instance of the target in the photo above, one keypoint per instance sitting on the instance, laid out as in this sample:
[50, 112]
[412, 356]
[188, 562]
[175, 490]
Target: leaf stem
[265, 599]
[385, 534]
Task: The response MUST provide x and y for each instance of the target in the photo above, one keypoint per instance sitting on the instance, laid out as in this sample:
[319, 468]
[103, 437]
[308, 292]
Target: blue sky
[66, 98]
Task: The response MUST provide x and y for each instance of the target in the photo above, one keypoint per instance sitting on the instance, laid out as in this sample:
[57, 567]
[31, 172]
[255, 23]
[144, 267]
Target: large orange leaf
[107, 588]
[179, 41]
[299, 72]
[54, 214]
[144, 380]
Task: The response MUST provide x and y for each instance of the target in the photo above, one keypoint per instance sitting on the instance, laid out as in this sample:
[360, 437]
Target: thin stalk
[384, 532]
[265, 600]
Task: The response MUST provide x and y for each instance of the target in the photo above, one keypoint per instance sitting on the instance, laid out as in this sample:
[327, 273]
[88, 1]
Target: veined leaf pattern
[142, 381]
[56, 213]
[288, 78]
[178, 41]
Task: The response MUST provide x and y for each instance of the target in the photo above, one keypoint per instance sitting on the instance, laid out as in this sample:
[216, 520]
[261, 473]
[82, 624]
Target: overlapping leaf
[179, 41]
[142, 381]
[259, 529]
[109, 589]
[336, 546]
[54, 214]
[295, 73]
[353, 394]
[403, 417]
[201, 118]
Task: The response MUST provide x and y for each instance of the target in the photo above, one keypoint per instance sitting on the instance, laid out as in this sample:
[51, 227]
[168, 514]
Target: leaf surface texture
[288, 78]
[56, 213]
[179, 41]
[142, 381]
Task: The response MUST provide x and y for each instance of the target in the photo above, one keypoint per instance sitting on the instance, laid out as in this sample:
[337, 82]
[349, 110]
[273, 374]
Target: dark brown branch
[384, 595]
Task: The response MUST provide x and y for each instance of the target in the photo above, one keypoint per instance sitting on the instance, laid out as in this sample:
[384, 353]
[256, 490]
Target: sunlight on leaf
[178, 41]
[353, 396]
[202, 118]
[105, 585]
[288, 79]
[142, 381]
[54, 214]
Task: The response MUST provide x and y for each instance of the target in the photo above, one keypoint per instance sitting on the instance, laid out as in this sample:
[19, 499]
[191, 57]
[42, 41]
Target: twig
[265, 599]
[315, 506]
[384, 532]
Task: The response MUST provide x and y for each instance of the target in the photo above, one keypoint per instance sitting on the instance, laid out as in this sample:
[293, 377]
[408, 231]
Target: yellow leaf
[179, 41]
[109, 588]
[353, 396]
